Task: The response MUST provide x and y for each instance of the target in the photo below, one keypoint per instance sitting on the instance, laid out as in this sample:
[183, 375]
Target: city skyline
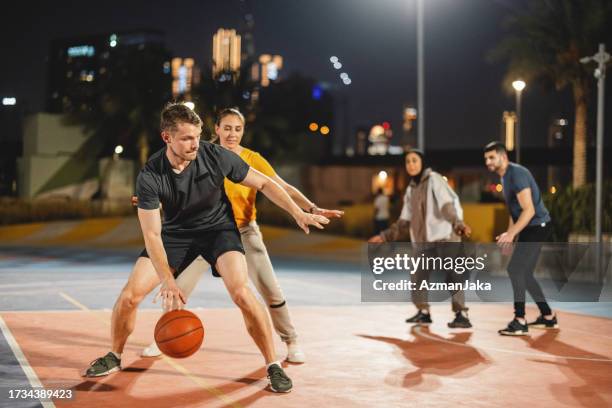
[465, 99]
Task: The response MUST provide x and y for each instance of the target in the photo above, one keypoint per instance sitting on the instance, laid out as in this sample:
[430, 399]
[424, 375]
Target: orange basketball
[179, 333]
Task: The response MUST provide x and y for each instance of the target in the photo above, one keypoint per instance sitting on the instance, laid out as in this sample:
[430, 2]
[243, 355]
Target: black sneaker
[543, 323]
[460, 322]
[279, 382]
[420, 318]
[515, 328]
[103, 366]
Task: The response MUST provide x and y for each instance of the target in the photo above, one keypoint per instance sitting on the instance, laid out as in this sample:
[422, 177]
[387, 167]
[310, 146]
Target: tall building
[268, 69]
[185, 75]
[76, 64]
[226, 54]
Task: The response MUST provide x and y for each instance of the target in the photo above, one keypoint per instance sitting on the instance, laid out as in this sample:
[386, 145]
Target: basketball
[179, 333]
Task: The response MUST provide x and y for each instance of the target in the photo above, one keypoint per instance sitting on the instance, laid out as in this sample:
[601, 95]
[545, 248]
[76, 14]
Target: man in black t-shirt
[186, 178]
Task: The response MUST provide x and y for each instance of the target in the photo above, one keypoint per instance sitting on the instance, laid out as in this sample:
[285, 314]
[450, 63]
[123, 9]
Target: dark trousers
[522, 265]
[439, 250]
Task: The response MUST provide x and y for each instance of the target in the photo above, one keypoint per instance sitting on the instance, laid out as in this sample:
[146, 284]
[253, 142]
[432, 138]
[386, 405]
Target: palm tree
[547, 40]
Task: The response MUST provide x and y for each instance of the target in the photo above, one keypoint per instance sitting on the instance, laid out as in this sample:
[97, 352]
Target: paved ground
[58, 284]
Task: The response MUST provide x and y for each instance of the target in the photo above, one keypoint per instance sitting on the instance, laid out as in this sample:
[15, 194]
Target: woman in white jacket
[431, 213]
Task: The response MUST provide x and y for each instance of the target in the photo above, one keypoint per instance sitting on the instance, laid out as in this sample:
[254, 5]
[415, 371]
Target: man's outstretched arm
[303, 201]
[276, 194]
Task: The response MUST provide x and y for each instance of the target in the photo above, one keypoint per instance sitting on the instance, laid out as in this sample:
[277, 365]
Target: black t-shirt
[193, 200]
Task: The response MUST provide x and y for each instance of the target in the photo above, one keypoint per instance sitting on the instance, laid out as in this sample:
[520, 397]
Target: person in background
[381, 211]
[529, 223]
[431, 213]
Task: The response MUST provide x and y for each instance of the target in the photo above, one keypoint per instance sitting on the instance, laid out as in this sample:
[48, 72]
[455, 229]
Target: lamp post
[518, 86]
[601, 58]
[421, 74]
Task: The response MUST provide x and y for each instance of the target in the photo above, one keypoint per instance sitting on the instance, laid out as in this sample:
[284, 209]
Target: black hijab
[421, 154]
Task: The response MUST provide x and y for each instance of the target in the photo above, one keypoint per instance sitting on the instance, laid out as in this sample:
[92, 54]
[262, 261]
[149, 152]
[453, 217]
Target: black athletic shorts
[182, 249]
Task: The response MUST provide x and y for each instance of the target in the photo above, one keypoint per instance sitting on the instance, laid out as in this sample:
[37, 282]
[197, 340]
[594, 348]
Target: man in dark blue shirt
[530, 226]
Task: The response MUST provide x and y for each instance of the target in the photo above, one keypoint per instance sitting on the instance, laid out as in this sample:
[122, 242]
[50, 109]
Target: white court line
[178, 367]
[23, 361]
[501, 350]
[74, 302]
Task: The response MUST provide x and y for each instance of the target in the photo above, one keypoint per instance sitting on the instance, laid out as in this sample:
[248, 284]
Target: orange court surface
[56, 301]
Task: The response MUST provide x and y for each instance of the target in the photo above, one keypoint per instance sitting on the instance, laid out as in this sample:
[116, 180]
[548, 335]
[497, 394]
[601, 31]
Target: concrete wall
[45, 134]
[56, 159]
[117, 176]
[332, 185]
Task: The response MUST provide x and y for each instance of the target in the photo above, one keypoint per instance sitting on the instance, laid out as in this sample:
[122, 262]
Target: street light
[421, 73]
[601, 58]
[518, 86]
[10, 101]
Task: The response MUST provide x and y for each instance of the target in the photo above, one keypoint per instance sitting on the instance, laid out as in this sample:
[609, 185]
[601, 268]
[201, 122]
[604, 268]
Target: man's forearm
[157, 254]
[522, 222]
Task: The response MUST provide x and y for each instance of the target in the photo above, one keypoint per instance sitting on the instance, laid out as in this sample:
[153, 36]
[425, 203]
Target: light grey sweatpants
[261, 274]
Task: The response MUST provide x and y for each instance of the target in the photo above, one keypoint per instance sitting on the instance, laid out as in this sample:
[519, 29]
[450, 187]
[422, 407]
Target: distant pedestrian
[381, 211]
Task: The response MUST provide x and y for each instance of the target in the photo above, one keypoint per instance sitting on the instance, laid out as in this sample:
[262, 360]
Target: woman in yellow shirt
[229, 130]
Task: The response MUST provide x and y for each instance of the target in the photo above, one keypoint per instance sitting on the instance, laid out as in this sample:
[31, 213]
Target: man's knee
[240, 296]
[130, 299]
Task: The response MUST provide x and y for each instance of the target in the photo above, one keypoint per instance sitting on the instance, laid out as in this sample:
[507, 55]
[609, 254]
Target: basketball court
[57, 291]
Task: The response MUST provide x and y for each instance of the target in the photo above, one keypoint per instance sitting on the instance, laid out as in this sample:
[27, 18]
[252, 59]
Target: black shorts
[182, 249]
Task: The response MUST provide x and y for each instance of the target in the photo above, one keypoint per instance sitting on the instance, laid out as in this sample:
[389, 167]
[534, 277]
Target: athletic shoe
[460, 322]
[279, 382]
[295, 354]
[543, 323]
[151, 351]
[420, 318]
[515, 328]
[103, 366]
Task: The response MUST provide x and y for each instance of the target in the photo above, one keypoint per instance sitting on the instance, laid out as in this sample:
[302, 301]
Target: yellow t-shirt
[241, 197]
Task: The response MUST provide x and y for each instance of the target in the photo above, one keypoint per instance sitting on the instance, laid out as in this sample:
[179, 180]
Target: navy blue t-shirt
[193, 200]
[516, 179]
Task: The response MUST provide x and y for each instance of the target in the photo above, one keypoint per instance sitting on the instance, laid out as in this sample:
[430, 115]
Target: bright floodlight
[344, 75]
[337, 65]
[9, 101]
[347, 81]
[190, 105]
[382, 175]
[118, 149]
[519, 85]
[333, 59]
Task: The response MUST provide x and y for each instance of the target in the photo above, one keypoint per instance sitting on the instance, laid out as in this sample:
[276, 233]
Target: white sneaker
[151, 351]
[295, 354]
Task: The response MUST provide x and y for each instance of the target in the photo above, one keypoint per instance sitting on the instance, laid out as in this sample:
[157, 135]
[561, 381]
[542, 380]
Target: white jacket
[439, 194]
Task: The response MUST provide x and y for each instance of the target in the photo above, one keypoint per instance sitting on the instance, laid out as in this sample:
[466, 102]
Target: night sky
[374, 39]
